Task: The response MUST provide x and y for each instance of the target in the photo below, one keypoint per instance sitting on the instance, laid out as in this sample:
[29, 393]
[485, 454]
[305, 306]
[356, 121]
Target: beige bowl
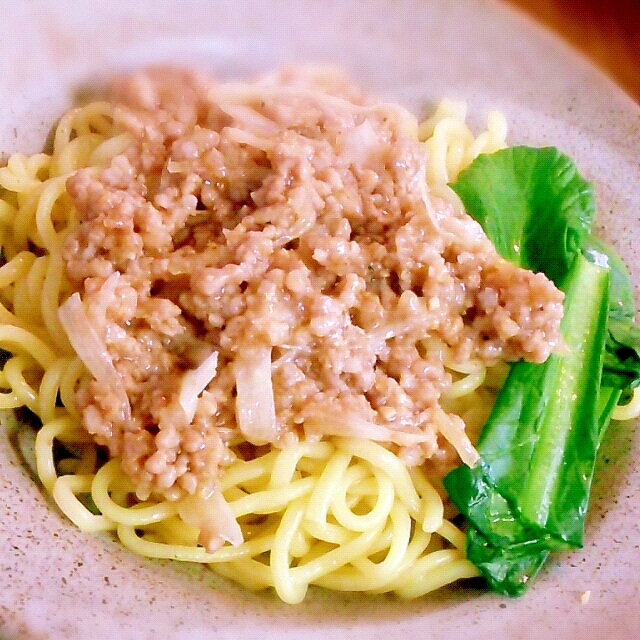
[56, 582]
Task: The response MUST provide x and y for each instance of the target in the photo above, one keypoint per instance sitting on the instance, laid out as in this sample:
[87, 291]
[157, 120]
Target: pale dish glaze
[56, 582]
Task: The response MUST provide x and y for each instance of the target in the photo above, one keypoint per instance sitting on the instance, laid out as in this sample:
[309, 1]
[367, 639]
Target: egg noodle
[343, 513]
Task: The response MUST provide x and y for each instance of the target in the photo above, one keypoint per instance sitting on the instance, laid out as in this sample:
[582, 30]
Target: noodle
[341, 512]
[631, 409]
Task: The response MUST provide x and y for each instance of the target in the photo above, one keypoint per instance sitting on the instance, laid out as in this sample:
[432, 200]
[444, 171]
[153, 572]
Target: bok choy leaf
[528, 496]
[532, 204]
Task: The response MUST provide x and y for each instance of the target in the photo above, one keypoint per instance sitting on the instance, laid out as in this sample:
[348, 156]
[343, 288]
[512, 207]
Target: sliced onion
[452, 428]
[212, 515]
[351, 425]
[226, 522]
[194, 382]
[250, 119]
[92, 350]
[359, 144]
[255, 404]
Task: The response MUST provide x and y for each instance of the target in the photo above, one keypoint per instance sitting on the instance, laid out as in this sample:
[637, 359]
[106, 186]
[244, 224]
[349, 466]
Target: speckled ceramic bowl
[56, 582]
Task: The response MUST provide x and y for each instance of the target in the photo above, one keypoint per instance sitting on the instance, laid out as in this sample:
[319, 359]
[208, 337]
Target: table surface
[607, 31]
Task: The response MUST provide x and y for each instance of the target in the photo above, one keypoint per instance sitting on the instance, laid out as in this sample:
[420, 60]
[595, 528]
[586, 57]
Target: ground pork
[286, 226]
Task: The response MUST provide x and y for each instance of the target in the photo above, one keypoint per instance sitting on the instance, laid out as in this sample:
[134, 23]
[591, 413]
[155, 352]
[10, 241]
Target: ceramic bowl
[59, 583]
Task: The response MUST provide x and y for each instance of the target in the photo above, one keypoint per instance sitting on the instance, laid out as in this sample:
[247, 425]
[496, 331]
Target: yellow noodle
[431, 500]
[81, 121]
[44, 447]
[376, 575]
[245, 471]
[7, 212]
[72, 373]
[630, 410]
[327, 531]
[326, 485]
[75, 154]
[132, 517]
[466, 385]
[321, 569]
[24, 229]
[14, 371]
[451, 533]
[129, 538]
[383, 496]
[435, 570]
[8, 399]
[21, 173]
[49, 389]
[51, 191]
[384, 460]
[65, 491]
[21, 341]
[289, 589]
[420, 544]
[16, 268]
[108, 149]
[50, 301]
[251, 574]
[271, 500]
[286, 463]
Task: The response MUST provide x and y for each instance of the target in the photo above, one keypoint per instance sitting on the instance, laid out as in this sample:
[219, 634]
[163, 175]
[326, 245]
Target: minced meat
[287, 219]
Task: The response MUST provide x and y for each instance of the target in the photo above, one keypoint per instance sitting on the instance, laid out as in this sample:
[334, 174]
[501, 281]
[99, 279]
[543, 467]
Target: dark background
[607, 31]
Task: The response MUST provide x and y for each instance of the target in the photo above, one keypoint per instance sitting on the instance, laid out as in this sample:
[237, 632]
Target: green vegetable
[532, 204]
[622, 357]
[528, 495]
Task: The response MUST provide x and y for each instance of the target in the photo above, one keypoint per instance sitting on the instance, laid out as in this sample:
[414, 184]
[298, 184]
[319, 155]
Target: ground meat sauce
[290, 218]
